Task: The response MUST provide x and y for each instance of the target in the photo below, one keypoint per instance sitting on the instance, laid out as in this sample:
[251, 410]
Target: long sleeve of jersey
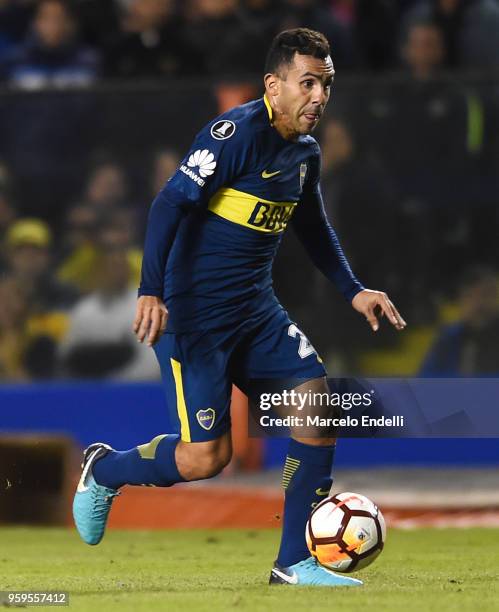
[165, 215]
[314, 231]
[181, 195]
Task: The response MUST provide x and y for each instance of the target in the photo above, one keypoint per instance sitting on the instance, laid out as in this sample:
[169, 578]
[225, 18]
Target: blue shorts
[198, 369]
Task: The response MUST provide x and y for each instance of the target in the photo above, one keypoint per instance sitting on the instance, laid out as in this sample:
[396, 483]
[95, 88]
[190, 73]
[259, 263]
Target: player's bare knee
[316, 416]
[216, 461]
[210, 463]
[197, 461]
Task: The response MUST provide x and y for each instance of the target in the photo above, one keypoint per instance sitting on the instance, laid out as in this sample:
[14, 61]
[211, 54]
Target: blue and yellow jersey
[242, 183]
[242, 169]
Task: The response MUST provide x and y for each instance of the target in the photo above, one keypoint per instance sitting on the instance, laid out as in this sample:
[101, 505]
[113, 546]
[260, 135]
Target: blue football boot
[92, 502]
[310, 573]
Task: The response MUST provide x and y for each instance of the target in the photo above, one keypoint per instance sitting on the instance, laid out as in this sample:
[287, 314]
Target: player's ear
[272, 84]
[272, 89]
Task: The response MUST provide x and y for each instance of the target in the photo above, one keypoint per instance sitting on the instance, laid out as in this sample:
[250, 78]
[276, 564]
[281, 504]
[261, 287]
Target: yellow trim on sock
[185, 431]
[290, 467]
[148, 451]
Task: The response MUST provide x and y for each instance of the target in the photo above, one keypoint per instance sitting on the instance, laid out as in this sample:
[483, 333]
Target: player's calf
[163, 462]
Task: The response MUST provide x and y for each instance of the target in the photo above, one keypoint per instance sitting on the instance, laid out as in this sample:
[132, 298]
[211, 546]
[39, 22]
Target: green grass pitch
[432, 569]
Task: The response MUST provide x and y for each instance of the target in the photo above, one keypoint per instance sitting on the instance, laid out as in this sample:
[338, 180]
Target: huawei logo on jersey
[204, 161]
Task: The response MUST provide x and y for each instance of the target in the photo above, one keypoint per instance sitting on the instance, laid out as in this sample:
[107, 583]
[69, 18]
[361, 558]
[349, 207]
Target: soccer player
[212, 235]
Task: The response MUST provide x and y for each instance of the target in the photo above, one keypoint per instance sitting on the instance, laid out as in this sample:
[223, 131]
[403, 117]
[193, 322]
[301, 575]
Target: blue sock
[306, 480]
[148, 464]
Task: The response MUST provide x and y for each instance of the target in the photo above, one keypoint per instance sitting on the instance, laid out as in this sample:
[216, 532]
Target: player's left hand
[371, 303]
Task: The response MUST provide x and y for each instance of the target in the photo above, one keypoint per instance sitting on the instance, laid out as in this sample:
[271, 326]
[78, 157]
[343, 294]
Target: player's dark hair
[299, 40]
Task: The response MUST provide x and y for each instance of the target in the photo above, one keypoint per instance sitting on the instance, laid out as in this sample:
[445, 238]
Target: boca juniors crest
[303, 174]
[206, 418]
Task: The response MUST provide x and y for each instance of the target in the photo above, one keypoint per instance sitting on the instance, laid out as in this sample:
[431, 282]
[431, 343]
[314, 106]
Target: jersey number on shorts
[305, 349]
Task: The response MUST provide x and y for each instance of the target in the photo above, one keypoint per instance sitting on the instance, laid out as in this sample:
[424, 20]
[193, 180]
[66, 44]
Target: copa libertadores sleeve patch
[221, 130]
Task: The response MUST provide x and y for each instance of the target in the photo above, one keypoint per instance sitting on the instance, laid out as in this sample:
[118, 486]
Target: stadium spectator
[7, 211]
[424, 50]
[373, 25]
[78, 251]
[12, 319]
[257, 24]
[80, 228]
[430, 129]
[86, 233]
[48, 150]
[107, 187]
[356, 186]
[14, 20]
[469, 347]
[164, 165]
[100, 342]
[208, 31]
[28, 339]
[470, 29]
[310, 14]
[5, 177]
[7, 208]
[124, 221]
[7, 216]
[28, 261]
[149, 44]
[420, 122]
[98, 20]
[51, 55]
[12, 331]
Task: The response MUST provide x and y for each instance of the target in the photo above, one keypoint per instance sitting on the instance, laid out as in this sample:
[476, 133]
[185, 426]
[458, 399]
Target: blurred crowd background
[99, 100]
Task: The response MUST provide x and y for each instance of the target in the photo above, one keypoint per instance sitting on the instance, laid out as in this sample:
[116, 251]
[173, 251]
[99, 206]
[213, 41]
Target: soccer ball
[346, 532]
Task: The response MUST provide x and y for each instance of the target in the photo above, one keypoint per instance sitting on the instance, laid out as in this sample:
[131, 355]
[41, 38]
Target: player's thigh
[196, 383]
[280, 359]
[278, 349]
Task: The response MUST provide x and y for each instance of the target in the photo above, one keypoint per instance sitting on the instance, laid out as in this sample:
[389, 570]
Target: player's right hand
[150, 319]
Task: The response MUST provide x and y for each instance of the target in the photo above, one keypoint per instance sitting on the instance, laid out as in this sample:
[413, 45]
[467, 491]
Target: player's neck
[282, 124]
[280, 121]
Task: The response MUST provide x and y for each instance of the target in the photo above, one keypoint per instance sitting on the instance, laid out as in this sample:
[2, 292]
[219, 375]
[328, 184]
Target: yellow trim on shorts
[185, 430]
[252, 212]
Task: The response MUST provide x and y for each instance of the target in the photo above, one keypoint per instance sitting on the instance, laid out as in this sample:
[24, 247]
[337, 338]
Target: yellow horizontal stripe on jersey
[248, 210]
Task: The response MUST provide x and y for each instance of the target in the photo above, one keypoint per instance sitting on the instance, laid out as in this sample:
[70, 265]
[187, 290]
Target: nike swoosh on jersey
[267, 175]
[293, 579]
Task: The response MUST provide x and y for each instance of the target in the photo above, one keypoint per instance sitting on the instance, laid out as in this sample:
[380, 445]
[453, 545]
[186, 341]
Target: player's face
[301, 92]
